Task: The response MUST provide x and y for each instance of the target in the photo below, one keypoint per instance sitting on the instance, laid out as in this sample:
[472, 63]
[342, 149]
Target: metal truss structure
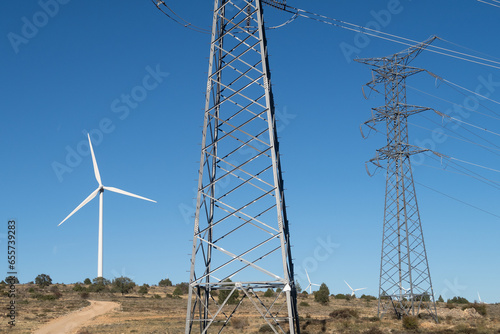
[405, 281]
[241, 244]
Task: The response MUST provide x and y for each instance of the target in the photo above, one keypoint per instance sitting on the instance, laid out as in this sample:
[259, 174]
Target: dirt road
[70, 323]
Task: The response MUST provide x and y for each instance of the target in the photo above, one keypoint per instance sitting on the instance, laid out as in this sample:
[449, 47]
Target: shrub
[410, 322]
[31, 290]
[344, 313]
[181, 288]
[165, 282]
[87, 281]
[11, 280]
[84, 295]
[55, 291]
[123, 284]
[457, 300]
[265, 329]
[78, 287]
[480, 308]
[156, 296]
[440, 299]
[99, 284]
[43, 280]
[223, 294]
[239, 323]
[322, 295]
[269, 293]
[342, 296]
[143, 289]
[368, 297]
[304, 304]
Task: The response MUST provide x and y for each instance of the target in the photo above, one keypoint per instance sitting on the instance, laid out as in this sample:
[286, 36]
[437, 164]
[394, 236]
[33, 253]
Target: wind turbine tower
[241, 229]
[404, 258]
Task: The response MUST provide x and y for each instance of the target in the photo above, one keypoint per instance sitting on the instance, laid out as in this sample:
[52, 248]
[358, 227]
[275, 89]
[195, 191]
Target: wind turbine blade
[88, 199]
[308, 277]
[96, 170]
[123, 192]
[348, 285]
[315, 284]
[361, 289]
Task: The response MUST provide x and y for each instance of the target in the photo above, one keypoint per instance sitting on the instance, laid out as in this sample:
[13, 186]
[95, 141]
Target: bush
[342, 296]
[410, 322]
[239, 323]
[123, 284]
[55, 291]
[99, 284]
[43, 280]
[304, 304]
[84, 295]
[143, 289]
[181, 289]
[165, 282]
[155, 296]
[480, 308]
[87, 281]
[11, 280]
[457, 300]
[265, 329]
[322, 295]
[78, 287]
[40, 296]
[344, 313]
[269, 293]
[223, 294]
[368, 297]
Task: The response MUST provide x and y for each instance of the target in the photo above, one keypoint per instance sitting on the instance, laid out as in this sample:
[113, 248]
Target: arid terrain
[159, 311]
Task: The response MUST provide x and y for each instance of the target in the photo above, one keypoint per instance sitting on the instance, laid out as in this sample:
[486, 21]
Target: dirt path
[70, 323]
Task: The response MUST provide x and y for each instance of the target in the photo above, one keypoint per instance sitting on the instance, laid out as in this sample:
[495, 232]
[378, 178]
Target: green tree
[11, 280]
[298, 287]
[143, 289]
[322, 295]
[123, 284]
[99, 284]
[165, 282]
[440, 299]
[87, 281]
[223, 294]
[43, 280]
[269, 293]
[457, 300]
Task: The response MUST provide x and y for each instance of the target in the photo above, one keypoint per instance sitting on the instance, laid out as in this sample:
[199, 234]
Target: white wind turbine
[100, 189]
[353, 290]
[478, 296]
[310, 284]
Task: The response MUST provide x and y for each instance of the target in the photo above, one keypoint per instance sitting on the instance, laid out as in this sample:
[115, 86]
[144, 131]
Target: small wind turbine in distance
[100, 189]
[310, 284]
[478, 296]
[353, 290]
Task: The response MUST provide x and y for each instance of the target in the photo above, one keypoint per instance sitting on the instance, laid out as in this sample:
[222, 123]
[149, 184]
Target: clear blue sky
[73, 73]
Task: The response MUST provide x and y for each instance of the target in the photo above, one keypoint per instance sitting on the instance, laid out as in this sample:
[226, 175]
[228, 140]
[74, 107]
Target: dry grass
[150, 314]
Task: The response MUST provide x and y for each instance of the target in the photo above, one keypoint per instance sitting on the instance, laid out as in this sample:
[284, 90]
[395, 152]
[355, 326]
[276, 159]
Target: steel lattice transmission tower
[405, 281]
[241, 244]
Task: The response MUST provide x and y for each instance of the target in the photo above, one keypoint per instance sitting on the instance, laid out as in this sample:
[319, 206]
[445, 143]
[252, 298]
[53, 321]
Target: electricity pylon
[241, 244]
[405, 281]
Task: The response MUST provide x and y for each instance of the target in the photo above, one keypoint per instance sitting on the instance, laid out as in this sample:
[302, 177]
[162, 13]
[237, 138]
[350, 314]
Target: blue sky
[135, 80]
